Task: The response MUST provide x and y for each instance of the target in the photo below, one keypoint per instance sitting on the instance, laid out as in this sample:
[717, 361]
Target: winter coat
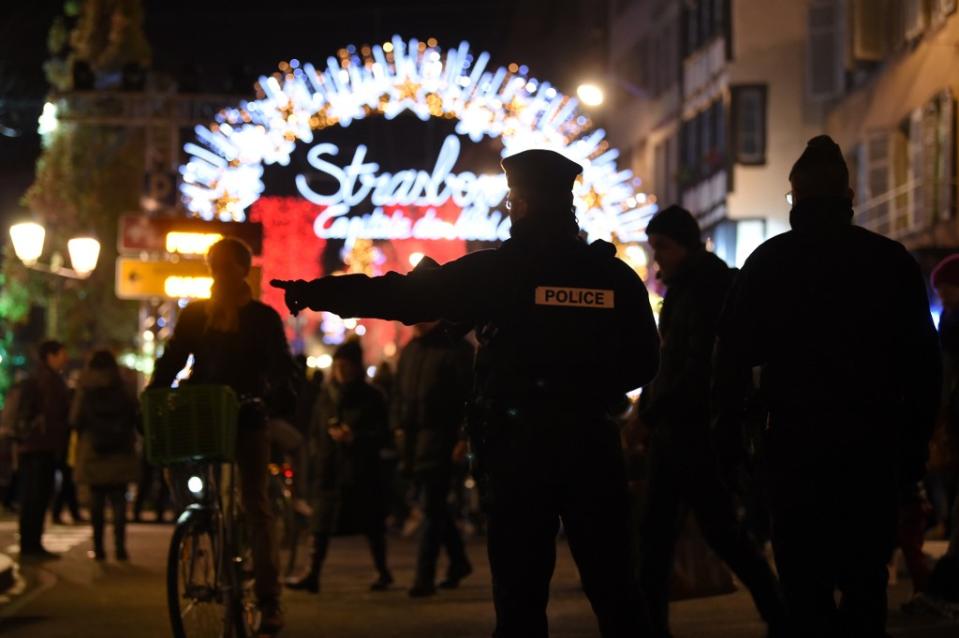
[434, 379]
[103, 400]
[348, 484]
[837, 319]
[678, 397]
[47, 393]
[255, 361]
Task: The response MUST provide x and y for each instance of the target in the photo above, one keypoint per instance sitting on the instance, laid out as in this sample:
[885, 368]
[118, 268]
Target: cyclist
[240, 342]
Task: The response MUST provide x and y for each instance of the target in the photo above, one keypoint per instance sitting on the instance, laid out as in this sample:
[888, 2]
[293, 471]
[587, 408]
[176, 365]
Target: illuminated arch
[223, 175]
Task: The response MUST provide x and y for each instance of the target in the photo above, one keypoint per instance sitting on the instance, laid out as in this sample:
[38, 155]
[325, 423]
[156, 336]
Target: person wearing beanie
[675, 408]
[349, 432]
[565, 329]
[834, 321]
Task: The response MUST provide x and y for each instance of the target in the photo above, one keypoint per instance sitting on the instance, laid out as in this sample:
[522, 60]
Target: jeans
[439, 528]
[36, 487]
[67, 494]
[686, 475]
[116, 496]
[253, 458]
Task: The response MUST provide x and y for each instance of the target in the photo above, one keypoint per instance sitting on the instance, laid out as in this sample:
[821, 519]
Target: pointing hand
[295, 293]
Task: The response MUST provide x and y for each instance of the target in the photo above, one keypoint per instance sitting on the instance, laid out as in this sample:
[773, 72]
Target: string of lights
[223, 175]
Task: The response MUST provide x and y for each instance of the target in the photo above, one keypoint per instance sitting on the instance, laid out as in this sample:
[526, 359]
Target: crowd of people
[794, 402]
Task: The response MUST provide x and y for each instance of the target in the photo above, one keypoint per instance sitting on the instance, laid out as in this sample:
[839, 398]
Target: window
[691, 19]
[632, 66]
[869, 32]
[942, 9]
[824, 55]
[946, 173]
[749, 124]
[719, 133]
[704, 20]
[915, 18]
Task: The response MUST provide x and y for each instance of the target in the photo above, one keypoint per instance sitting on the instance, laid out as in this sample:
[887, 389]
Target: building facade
[725, 94]
[723, 111]
[891, 106]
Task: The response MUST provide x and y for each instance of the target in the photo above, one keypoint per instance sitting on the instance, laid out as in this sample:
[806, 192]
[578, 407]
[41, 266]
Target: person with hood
[433, 381]
[104, 414]
[835, 321]
[44, 405]
[565, 329]
[683, 472]
[350, 432]
[240, 342]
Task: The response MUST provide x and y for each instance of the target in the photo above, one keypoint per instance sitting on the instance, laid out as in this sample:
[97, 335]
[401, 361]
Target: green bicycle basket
[191, 423]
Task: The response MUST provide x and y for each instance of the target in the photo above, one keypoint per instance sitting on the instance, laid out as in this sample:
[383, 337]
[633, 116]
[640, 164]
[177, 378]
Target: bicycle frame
[216, 513]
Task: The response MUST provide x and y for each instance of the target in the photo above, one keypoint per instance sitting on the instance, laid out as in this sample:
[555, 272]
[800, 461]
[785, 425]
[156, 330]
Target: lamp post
[28, 238]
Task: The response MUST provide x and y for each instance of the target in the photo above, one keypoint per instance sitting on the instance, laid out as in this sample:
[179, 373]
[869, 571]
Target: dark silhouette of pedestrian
[151, 487]
[349, 492]
[683, 472]
[104, 413]
[835, 320]
[43, 409]
[433, 382]
[565, 329]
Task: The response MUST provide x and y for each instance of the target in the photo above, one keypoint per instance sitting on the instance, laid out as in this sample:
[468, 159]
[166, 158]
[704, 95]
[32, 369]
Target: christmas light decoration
[223, 175]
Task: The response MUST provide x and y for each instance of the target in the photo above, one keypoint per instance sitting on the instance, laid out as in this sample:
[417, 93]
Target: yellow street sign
[183, 279]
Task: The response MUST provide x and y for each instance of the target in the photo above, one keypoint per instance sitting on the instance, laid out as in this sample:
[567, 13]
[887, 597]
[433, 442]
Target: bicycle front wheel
[196, 600]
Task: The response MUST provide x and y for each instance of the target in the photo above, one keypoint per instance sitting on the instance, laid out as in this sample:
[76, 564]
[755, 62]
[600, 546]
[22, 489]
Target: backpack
[21, 415]
[108, 420]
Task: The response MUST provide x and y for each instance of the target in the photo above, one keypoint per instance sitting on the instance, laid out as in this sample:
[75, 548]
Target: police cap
[540, 169]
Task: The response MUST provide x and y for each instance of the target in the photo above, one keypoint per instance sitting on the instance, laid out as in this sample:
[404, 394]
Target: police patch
[574, 297]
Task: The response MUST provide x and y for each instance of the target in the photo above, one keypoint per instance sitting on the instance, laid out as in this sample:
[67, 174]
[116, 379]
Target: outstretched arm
[454, 291]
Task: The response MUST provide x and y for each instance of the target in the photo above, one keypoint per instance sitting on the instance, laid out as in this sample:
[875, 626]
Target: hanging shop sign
[183, 236]
[224, 174]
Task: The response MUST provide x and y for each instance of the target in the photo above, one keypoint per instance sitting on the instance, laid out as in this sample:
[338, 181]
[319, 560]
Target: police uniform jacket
[556, 318]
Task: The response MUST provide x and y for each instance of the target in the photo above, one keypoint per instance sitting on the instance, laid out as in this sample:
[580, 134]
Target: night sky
[222, 47]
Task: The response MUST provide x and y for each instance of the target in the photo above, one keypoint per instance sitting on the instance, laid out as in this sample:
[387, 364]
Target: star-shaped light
[224, 174]
[407, 95]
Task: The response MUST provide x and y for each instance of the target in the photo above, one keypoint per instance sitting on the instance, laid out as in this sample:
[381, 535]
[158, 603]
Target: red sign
[139, 233]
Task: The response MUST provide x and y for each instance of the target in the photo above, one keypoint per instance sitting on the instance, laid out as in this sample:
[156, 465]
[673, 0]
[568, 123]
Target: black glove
[295, 293]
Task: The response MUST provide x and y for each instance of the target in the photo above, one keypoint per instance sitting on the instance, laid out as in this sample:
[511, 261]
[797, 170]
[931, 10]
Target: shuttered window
[749, 123]
[869, 30]
[874, 181]
[915, 18]
[825, 60]
[946, 161]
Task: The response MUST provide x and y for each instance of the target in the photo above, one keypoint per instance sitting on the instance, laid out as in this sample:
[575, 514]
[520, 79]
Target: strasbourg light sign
[476, 196]
[224, 174]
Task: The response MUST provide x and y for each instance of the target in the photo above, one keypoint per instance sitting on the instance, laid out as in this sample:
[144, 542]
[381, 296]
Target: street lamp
[28, 238]
[84, 253]
[590, 94]
[28, 242]
[593, 94]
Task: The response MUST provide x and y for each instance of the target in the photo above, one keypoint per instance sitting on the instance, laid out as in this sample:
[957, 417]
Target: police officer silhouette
[565, 329]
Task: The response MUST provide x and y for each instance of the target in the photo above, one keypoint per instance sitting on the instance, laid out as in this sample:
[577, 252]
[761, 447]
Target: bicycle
[192, 431]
